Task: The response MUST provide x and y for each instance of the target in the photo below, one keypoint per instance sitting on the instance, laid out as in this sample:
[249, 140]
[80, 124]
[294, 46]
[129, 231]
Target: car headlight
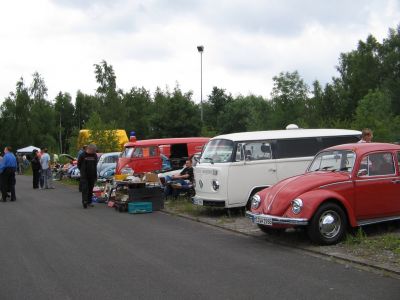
[297, 205]
[215, 185]
[127, 171]
[255, 201]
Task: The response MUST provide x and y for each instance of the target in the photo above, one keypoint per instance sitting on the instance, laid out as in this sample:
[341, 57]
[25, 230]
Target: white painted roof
[285, 134]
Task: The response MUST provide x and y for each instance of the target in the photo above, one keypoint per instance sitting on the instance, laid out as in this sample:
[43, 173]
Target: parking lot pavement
[51, 248]
[377, 249]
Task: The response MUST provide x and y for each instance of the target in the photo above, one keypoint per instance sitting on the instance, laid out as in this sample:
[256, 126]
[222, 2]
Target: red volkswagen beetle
[346, 185]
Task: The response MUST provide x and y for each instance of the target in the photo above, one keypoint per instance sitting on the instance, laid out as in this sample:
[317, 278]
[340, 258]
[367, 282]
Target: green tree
[108, 95]
[64, 111]
[43, 131]
[175, 115]
[138, 111]
[374, 111]
[103, 135]
[215, 106]
[289, 96]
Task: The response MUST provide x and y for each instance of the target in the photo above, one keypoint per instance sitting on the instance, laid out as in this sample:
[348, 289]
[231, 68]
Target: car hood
[279, 196]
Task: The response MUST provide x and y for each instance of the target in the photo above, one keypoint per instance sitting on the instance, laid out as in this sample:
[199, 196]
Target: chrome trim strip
[377, 220]
[377, 179]
[278, 220]
[329, 184]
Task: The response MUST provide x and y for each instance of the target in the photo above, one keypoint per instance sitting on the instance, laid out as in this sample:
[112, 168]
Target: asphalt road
[51, 248]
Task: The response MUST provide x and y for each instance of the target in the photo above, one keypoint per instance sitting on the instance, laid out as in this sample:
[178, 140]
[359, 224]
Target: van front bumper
[204, 202]
[269, 220]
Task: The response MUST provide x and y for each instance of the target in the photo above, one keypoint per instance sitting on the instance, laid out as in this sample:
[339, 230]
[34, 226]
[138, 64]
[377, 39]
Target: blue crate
[140, 207]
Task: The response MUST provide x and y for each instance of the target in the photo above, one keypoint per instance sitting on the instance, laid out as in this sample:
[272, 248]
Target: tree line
[366, 93]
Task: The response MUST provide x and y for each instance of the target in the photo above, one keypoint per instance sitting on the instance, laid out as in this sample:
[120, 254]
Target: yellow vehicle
[84, 137]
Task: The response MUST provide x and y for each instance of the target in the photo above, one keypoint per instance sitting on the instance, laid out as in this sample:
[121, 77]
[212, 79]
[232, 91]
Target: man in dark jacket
[35, 164]
[8, 166]
[87, 164]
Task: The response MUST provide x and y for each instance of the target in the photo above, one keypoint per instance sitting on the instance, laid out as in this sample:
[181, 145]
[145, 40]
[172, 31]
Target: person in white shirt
[46, 170]
[366, 136]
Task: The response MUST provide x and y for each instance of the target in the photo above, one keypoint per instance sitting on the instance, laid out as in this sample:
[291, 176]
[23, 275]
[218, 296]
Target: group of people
[41, 169]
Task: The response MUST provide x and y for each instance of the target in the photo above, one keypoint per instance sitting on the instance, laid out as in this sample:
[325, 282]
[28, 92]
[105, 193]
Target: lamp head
[200, 48]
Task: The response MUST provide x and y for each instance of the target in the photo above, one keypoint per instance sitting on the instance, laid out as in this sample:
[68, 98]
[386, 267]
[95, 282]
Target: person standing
[20, 164]
[46, 170]
[80, 152]
[87, 164]
[8, 166]
[36, 166]
[366, 136]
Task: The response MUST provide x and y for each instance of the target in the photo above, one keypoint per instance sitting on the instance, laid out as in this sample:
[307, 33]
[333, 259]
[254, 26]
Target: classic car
[345, 186]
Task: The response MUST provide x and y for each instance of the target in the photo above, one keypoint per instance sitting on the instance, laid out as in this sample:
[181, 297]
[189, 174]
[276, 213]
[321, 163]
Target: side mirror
[362, 172]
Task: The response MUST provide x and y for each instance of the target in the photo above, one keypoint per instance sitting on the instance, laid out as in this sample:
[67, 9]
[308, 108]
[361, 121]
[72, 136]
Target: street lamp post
[201, 49]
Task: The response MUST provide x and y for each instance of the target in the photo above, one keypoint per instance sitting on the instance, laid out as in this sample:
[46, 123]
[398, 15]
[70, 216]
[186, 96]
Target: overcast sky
[153, 43]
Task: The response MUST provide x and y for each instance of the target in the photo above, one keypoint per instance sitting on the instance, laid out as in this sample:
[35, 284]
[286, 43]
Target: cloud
[153, 43]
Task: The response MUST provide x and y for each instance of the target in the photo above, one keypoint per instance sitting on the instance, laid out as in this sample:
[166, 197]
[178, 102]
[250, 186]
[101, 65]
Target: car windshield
[217, 151]
[127, 152]
[333, 160]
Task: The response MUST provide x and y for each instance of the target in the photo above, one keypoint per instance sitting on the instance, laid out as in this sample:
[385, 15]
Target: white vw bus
[234, 166]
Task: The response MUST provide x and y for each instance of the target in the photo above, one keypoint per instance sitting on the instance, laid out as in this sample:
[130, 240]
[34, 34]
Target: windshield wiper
[324, 168]
[210, 159]
[344, 168]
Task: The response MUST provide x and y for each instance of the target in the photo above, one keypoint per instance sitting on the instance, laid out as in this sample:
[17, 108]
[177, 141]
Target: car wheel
[271, 230]
[328, 225]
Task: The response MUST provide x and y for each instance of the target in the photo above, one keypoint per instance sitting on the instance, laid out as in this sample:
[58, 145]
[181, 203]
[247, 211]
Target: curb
[340, 258]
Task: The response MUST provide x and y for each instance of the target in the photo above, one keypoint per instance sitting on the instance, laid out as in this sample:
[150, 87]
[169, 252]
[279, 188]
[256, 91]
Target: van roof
[362, 148]
[285, 134]
[167, 141]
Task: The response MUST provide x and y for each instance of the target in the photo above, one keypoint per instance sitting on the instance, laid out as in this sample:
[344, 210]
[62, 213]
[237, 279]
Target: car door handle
[396, 181]
[272, 170]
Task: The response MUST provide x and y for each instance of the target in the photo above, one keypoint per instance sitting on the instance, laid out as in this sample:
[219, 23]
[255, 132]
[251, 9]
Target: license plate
[198, 202]
[263, 221]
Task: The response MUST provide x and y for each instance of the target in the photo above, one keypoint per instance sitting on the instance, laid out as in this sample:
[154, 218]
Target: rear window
[297, 147]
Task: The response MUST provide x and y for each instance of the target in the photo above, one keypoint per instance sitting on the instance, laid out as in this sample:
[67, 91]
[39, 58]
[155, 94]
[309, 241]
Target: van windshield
[217, 151]
[127, 152]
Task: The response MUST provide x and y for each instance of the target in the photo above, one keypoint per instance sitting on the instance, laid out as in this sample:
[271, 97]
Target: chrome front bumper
[271, 220]
[206, 202]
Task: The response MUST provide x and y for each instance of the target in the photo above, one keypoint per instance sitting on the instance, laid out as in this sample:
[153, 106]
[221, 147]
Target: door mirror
[362, 172]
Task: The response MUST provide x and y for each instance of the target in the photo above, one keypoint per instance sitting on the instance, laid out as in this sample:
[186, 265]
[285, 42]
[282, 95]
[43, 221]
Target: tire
[271, 230]
[334, 228]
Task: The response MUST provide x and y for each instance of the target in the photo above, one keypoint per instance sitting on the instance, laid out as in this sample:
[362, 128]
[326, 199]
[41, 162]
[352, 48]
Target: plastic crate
[140, 207]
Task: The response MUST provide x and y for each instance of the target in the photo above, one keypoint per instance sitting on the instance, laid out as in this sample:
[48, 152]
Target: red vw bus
[148, 155]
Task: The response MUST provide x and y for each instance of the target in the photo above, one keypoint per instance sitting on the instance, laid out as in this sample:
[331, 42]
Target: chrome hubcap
[329, 224]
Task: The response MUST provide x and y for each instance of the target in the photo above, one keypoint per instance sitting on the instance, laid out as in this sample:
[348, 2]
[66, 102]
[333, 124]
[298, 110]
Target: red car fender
[314, 199]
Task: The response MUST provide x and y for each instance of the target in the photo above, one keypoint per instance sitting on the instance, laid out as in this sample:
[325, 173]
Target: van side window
[153, 151]
[329, 141]
[297, 147]
[259, 150]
